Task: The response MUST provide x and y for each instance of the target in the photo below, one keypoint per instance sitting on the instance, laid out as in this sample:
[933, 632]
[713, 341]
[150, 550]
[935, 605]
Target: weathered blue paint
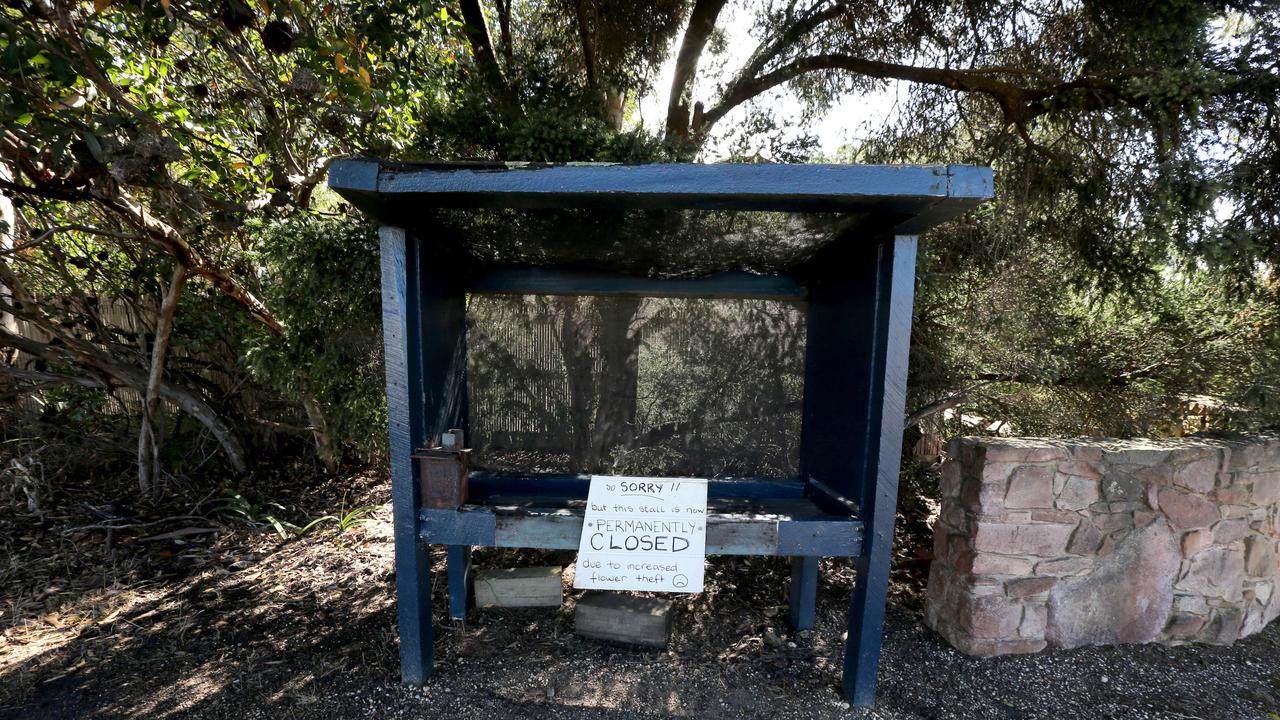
[834, 538]
[859, 289]
[898, 189]
[773, 527]
[727, 285]
[803, 598]
[459, 559]
[457, 527]
[485, 484]
[401, 348]
[878, 494]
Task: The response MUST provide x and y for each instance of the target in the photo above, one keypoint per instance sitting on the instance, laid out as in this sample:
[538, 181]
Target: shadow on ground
[247, 626]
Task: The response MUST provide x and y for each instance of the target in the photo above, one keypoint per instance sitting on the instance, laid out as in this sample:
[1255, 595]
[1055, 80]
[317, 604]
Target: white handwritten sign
[643, 534]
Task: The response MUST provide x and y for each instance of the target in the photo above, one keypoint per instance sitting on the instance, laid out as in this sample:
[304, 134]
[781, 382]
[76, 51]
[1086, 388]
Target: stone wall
[1065, 543]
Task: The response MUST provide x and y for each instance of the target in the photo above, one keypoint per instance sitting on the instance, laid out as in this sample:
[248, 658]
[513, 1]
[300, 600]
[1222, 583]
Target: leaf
[340, 62]
[100, 5]
[365, 81]
[24, 119]
[95, 147]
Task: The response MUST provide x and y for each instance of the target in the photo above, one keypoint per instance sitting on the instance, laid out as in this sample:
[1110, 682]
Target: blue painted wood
[777, 527]
[401, 346]
[911, 189]
[457, 527]
[830, 498]
[483, 484]
[459, 560]
[859, 289]
[841, 539]
[803, 598]
[541, 281]
[895, 288]
[841, 377]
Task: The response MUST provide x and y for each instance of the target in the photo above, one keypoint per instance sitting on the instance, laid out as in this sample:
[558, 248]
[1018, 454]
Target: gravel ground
[246, 626]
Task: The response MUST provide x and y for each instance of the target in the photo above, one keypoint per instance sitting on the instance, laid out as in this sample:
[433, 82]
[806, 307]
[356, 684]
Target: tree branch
[148, 435]
[702, 22]
[584, 37]
[173, 243]
[111, 373]
[477, 31]
[1019, 103]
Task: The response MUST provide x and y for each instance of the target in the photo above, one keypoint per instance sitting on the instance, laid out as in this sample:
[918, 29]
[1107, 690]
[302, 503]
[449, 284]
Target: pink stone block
[1087, 453]
[1198, 476]
[1184, 626]
[1054, 516]
[990, 616]
[1078, 493]
[1065, 566]
[1266, 488]
[1028, 586]
[1230, 530]
[1085, 540]
[1045, 540]
[1262, 557]
[989, 564]
[1126, 596]
[1023, 451]
[949, 485]
[1186, 510]
[1215, 573]
[1232, 495]
[1034, 619]
[1080, 468]
[1030, 486]
[979, 647]
[1195, 541]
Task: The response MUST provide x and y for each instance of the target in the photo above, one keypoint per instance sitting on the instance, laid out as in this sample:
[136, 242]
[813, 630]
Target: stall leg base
[803, 600]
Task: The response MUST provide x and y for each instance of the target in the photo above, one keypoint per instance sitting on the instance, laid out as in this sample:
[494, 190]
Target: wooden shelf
[735, 526]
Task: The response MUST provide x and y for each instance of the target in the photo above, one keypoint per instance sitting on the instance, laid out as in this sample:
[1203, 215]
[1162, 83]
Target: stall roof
[661, 220]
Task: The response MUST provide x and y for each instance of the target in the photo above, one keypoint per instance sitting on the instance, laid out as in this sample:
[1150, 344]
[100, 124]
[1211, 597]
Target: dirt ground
[188, 618]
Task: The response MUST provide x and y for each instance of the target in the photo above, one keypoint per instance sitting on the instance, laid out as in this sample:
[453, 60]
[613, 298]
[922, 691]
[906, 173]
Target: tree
[141, 135]
[1125, 140]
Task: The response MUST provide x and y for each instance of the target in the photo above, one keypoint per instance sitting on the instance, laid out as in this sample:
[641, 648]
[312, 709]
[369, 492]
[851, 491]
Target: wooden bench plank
[734, 527]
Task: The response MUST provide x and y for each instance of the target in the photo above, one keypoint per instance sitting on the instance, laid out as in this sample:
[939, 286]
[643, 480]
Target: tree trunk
[8, 240]
[702, 22]
[320, 432]
[149, 433]
[580, 380]
[614, 425]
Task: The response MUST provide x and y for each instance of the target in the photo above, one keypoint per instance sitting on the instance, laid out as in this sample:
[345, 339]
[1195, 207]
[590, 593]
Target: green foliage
[236, 506]
[1036, 352]
[321, 277]
[233, 505]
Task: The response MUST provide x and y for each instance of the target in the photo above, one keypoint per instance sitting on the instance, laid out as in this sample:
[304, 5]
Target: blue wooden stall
[857, 287]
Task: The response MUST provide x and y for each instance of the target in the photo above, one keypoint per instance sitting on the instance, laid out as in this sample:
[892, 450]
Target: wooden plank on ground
[519, 587]
[624, 618]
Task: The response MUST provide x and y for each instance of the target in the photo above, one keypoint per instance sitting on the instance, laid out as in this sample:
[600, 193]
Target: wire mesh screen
[642, 386]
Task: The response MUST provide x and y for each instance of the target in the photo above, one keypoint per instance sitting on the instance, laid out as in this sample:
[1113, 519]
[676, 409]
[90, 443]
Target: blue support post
[895, 290]
[851, 440]
[803, 600]
[459, 581]
[405, 420]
